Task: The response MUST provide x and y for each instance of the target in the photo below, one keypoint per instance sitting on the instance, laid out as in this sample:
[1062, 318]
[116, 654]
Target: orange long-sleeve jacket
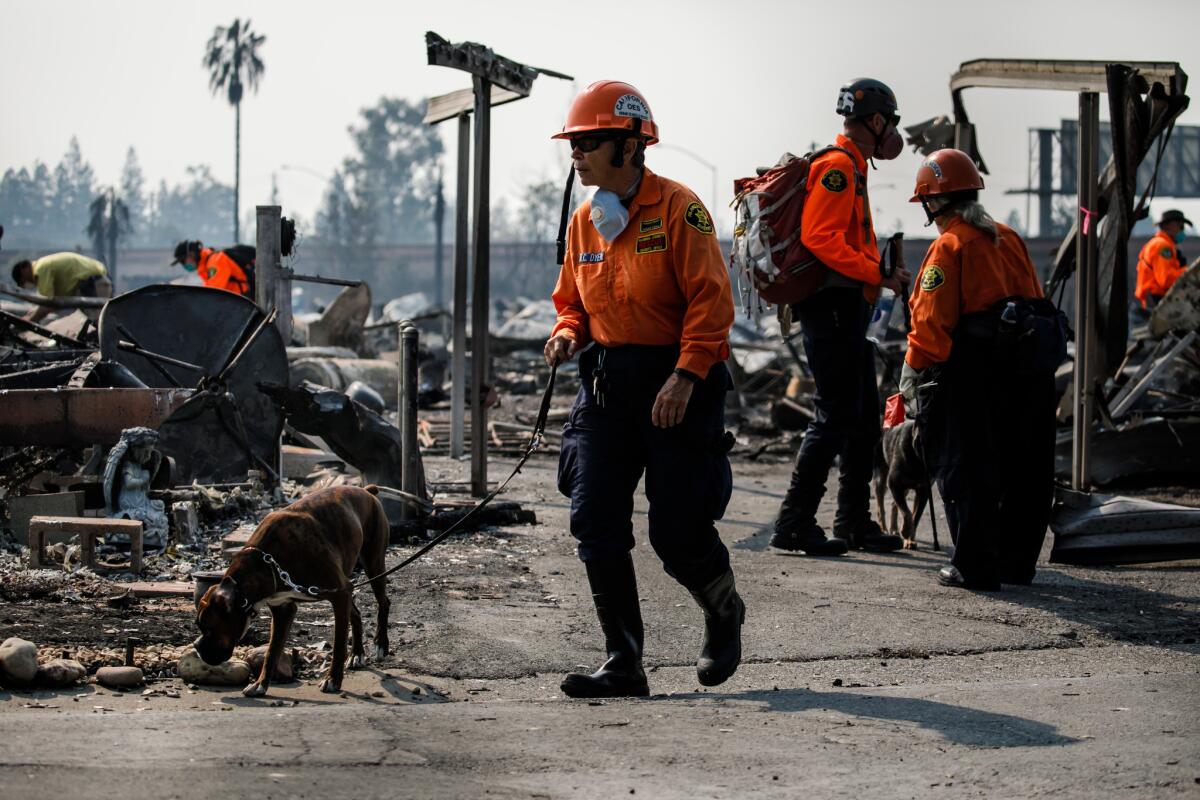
[964, 271]
[219, 271]
[1158, 268]
[661, 281]
[837, 217]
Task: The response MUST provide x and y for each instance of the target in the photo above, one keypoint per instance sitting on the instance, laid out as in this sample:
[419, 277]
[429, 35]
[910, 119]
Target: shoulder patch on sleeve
[834, 180]
[932, 277]
[1166, 252]
[698, 218]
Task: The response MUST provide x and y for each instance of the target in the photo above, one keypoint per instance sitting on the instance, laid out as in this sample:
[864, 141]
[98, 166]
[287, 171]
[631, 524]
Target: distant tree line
[43, 207]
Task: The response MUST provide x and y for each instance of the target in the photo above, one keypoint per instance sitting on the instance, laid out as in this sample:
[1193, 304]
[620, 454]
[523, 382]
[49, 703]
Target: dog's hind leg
[922, 500]
[358, 655]
[341, 602]
[281, 623]
[906, 530]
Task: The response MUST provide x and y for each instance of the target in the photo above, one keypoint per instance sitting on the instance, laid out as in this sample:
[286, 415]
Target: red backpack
[766, 248]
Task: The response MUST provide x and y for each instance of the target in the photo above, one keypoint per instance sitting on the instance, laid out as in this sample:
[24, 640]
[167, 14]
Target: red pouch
[893, 411]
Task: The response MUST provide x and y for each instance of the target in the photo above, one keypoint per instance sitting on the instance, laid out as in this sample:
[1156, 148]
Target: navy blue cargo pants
[609, 443]
[847, 423]
[989, 441]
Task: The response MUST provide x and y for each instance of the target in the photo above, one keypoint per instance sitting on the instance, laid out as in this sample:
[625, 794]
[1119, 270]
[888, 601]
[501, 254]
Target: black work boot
[724, 613]
[614, 591]
[867, 535]
[809, 539]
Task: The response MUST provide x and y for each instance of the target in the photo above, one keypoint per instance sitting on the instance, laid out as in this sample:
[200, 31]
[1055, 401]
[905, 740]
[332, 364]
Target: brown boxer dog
[314, 543]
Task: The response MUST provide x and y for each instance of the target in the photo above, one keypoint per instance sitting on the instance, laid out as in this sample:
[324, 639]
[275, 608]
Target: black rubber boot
[614, 591]
[809, 539]
[867, 535]
[724, 613]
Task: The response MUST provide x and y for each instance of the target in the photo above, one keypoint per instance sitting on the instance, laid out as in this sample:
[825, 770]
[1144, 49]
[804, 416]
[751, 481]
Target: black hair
[18, 268]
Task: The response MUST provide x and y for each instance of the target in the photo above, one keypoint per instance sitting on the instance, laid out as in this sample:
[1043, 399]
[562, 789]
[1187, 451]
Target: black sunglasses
[589, 142]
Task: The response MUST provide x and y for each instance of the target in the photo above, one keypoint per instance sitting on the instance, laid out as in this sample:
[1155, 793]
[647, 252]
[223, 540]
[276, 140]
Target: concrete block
[185, 522]
[60, 504]
[88, 529]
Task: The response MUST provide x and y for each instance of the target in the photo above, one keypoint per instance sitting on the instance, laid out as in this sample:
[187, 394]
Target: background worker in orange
[217, 268]
[1159, 264]
[837, 230]
[984, 405]
[644, 283]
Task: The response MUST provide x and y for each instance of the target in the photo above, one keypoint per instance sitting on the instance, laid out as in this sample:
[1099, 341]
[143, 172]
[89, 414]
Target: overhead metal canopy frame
[1089, 79]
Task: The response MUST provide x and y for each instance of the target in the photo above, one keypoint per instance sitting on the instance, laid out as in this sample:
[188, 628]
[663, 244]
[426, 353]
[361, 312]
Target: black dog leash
[535, 441]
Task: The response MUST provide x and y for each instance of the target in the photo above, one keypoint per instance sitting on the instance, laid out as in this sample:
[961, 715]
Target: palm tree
[232, 62]
[108, 223]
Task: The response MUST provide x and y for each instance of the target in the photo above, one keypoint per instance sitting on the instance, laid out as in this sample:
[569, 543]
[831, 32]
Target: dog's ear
[224, 595]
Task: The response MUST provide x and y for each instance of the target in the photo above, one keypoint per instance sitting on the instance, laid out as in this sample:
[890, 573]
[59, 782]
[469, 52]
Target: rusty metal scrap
[71, 417]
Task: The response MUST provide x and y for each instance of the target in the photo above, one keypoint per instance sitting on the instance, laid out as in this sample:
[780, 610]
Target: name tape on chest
[651, 243]
[591, 258]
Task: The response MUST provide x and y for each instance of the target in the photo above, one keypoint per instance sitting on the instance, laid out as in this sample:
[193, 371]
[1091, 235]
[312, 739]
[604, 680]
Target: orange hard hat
[610, 106]
[945, 171]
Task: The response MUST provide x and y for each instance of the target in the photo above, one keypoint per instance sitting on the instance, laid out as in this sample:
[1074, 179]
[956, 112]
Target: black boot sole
[585, 687]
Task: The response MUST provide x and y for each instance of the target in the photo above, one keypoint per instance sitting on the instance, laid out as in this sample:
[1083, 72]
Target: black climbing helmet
[863, 97]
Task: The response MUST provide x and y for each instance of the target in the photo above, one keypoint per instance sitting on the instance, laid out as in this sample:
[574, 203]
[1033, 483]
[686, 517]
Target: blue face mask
[608, 214]
[1179, 237]
[188, 267]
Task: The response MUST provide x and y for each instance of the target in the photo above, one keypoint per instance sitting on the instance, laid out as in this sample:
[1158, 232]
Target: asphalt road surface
[862, 679]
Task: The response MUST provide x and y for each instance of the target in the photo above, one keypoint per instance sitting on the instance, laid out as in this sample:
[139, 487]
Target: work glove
[910, 379]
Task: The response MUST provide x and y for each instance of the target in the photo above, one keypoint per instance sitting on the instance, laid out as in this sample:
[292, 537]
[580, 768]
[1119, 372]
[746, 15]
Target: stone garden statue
[132, 464]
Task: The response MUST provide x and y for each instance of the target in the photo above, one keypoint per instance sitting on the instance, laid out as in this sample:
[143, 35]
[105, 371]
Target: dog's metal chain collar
[284, 577]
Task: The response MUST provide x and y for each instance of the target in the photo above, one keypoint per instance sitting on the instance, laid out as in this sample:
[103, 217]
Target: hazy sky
[736, 82]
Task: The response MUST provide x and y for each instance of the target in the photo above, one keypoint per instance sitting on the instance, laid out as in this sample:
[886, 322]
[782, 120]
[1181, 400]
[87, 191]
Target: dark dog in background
[303, 553]
[900, 469]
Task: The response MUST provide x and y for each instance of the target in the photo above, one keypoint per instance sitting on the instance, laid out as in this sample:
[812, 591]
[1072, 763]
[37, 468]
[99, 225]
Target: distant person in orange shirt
[979, 373]
[1159, 265]
[231, 269]
[644, 297]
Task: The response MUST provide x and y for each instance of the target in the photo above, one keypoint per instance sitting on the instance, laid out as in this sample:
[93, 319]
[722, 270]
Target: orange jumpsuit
[662, 282]
[655, 299]
[943, 293]
[219, 271]
[837, 217]
[1158, 268]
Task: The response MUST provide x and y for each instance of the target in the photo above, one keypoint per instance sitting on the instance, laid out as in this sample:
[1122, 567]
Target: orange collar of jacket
[649, 193]
[847, 143]
[1167, 240]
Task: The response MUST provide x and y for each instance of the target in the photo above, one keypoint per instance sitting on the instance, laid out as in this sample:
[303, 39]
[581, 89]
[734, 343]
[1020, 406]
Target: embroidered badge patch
[932, 278]
[651, 224]
[834, 180]
[698, 218]
[1166, 253]
[591, 258]
[651, 243]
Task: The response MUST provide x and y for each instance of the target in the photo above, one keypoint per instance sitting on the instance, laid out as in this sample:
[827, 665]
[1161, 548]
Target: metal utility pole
[480, 286]
[462, 263]
[268, 258]
[495, 80]
[1086, 275]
